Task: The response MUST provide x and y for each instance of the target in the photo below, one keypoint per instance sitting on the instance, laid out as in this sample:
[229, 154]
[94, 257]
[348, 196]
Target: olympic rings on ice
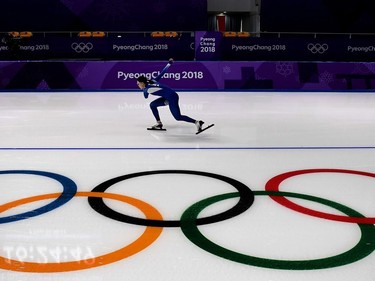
[274, 183]
[147, 238]
[246, 199]
[189, 221]
[364, 247]
[69, 189]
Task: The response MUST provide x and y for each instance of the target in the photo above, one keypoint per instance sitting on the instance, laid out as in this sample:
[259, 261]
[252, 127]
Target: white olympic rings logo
[317, 48]
[82, 47]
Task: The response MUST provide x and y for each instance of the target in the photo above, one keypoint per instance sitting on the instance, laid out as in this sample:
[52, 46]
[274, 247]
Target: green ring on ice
[363, 248]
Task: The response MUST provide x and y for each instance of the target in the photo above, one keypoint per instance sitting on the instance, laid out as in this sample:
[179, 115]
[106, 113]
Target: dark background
[106, 15]
[336, 16]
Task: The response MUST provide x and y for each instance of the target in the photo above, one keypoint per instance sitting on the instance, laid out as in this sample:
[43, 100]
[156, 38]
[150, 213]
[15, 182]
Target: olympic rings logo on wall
[82, 47]
[190, 220]
[317, 48]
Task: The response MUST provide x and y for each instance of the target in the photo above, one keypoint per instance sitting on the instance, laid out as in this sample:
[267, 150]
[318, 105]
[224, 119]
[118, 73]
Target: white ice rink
[319, 147]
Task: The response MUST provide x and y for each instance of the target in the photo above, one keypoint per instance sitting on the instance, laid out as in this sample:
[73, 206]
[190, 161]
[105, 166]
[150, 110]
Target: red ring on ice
[274, 185]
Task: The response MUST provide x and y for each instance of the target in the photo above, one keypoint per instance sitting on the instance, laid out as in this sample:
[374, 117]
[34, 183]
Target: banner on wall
[212, 76]
[213, 46]
[116, 48]
[207, 45]
[298, 49]
[200, 46]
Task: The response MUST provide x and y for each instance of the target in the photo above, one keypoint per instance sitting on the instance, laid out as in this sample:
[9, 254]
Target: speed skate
[204, 129]
[156, 129]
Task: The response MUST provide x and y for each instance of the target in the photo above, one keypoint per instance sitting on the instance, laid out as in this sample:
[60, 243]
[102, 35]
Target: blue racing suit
[167, 97]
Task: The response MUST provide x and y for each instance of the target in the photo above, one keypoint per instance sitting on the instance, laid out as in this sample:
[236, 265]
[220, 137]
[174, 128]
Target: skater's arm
[145, 93]
[164, 70]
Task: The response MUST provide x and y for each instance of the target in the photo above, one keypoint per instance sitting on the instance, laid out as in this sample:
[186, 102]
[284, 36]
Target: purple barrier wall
[214, 75]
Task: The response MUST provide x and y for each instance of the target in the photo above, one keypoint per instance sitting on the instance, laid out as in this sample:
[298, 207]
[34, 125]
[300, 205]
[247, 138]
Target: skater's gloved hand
[171, 60]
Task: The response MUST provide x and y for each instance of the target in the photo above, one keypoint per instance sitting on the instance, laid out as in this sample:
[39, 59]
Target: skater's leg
[154, 107]
[176, 112]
